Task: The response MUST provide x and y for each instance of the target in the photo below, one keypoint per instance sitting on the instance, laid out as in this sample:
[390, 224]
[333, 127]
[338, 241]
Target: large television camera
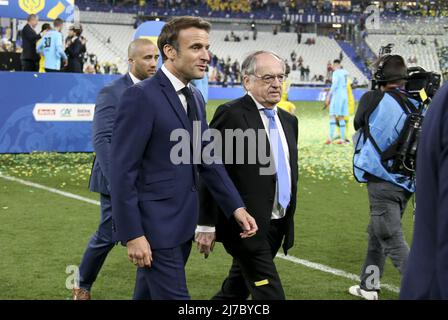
[419, 79]
[421, 86]
[416, 78]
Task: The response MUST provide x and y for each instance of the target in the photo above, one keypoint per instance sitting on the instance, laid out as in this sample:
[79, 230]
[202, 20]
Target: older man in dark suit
[269, 196]
[426, 275]
[143, 56]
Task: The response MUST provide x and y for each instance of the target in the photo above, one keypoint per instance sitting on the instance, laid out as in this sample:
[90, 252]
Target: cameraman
[379, 120]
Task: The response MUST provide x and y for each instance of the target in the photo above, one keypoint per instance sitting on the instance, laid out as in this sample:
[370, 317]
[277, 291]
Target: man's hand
[246, 222]
[65, 63]
[206, 242]
[139, 252]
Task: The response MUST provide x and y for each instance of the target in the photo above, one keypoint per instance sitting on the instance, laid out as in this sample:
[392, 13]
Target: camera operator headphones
[379, 75]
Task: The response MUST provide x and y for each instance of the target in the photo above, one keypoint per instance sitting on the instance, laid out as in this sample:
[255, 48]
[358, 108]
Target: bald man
[142, 58]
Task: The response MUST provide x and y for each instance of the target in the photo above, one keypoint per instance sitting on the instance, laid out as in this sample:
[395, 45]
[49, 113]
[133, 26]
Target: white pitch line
[306, 263]
[52, 190]
[327, 269]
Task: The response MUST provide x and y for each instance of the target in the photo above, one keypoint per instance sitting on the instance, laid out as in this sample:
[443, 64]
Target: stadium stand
[316, 56]
[415, 54]
[109, 42]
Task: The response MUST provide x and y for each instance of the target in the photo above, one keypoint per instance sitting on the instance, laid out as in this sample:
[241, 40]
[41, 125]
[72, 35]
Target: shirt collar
[259, 105]
[177, 84]
[134, 78]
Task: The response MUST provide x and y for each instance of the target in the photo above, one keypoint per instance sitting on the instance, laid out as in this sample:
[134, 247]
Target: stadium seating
[316, 56]
[412, 26]
[426, 55]
[109, 43]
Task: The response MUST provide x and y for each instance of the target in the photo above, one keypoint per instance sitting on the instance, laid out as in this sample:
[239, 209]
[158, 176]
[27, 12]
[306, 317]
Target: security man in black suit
[270, 195]
[29, 57]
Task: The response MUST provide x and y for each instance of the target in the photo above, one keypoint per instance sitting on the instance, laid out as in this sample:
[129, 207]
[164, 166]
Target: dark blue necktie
[191, 104]
[192, 116]
[283, 183]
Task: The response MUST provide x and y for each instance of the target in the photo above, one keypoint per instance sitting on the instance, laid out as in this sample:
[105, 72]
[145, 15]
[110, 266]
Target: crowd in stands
[265, 8]
[6, 45]
[416, 41]
[442, 52]
[224, 72]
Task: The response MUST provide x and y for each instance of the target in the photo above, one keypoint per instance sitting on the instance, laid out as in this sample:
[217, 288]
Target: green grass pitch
[42, 233]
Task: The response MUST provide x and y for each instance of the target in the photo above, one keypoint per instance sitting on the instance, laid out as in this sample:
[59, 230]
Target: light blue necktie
[283, 183]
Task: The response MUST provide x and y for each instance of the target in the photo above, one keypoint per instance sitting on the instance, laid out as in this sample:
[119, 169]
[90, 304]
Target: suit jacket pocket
[159, 176]
[157, 190]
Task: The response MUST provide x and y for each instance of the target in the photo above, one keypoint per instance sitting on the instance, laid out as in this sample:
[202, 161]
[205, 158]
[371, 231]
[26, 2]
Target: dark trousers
[98, 247]
[165, 279]
[30, 65]
[254, 273]
[74, 65]
[51, 70]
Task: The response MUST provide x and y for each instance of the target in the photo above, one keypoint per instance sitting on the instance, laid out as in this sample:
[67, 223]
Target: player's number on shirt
[47, 42]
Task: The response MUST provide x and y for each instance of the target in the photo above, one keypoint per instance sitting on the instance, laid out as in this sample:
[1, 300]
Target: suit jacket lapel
[199, 102]
[254, 121]
[127, 80]
[252, 114]
[173, 99]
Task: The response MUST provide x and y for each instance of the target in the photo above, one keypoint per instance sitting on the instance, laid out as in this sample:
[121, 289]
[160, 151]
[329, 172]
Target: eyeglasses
[269, 78]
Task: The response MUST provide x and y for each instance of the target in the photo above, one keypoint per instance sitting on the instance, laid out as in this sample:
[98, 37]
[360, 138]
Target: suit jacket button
[193, 189]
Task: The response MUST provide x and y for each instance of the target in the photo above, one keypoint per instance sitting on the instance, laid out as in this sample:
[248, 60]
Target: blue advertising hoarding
[54, 112]
[47, 111]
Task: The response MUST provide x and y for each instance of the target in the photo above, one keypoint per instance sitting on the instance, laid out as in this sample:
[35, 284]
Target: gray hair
[249, 65]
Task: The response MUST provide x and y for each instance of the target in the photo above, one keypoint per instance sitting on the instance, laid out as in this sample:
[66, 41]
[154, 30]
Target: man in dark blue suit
[143, 56]
[426, 275]
[154, 196]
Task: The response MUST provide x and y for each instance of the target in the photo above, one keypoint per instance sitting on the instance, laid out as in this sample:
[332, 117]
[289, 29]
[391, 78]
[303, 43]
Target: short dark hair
[45, 26]
[391, 67]
[170, 31]
[77, 29]
[31, 16]
[337, 61]
[58, 22]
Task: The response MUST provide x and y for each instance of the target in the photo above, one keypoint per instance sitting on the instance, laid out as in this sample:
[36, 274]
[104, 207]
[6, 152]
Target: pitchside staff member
[380, 118]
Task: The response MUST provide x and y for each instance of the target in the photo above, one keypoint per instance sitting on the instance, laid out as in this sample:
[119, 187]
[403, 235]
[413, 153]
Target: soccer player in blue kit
[51, 47]
[337, 98]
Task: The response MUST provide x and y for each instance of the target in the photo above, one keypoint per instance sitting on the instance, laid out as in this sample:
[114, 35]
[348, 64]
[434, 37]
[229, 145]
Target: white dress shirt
[178, 85]
[277, 211]
[134, 78]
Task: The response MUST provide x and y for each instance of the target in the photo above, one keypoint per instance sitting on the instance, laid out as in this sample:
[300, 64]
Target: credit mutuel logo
[63, 112]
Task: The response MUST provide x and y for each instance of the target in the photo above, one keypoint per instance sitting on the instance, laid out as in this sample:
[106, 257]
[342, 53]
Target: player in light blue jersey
[51, 47]
[337, 98]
